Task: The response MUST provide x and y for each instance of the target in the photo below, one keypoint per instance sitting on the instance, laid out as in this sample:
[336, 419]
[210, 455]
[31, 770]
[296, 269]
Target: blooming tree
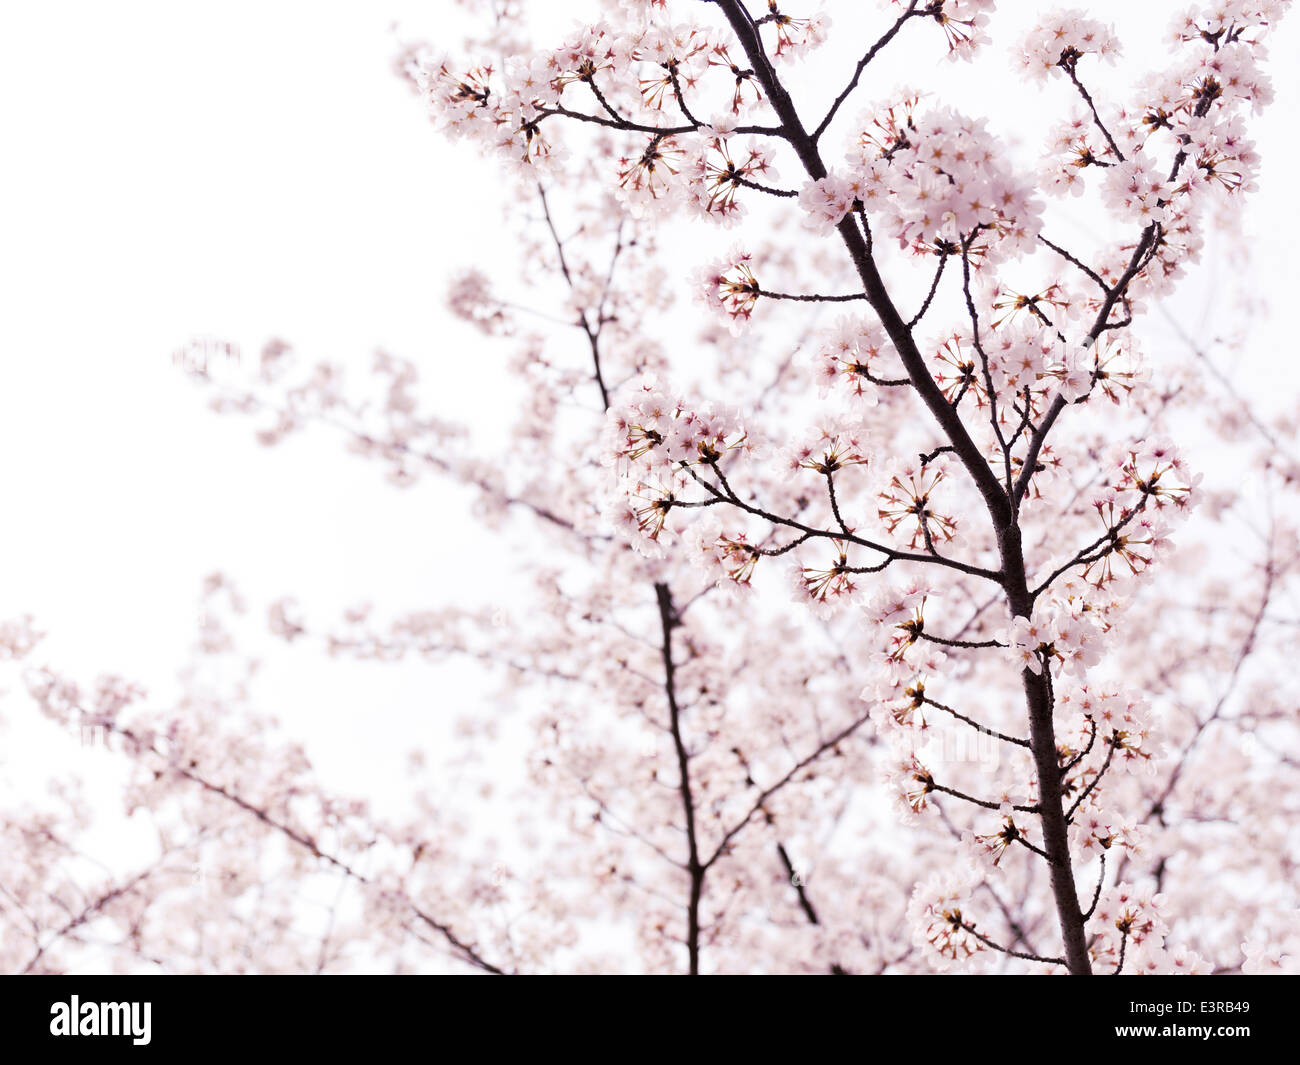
[846, 631]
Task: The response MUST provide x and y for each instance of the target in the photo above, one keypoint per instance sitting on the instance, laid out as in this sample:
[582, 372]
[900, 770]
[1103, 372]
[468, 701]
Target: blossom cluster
[651, 440]
[964, 24]
[940, 926]
[850, 357]
[1054, 636]
[1179, 146]
[1151, 486]
[727, 737]
[1062, 39]
[935, 180]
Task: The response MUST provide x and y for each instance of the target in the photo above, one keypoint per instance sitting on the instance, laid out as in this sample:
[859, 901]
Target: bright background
[248, 170]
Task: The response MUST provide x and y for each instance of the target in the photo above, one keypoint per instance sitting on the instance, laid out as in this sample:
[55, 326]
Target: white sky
[242, 170]
[249, 170]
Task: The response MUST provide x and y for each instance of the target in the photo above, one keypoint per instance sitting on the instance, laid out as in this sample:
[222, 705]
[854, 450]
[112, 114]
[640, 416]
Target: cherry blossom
[778, 570]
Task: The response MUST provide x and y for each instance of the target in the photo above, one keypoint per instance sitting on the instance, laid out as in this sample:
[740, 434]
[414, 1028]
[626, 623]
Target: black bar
[455, 1016]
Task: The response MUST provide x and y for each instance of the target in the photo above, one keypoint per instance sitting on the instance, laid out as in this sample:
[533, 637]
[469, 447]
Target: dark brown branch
[871, 54]
[1096, 895]
[970, 644]
[1095, 551]
[835, 503]
[1092, 739]
[1077, 262]
[855, 240]
[812, 297]
[975, 724]
[637, 127]
[668, 621]
[932, 785]
[970, 928]
[934, 287]
[989, 390]
[747, 183]
[592, 331]
[790, 523]
[1092, 784]
[1087, 98]
[1000, 503]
